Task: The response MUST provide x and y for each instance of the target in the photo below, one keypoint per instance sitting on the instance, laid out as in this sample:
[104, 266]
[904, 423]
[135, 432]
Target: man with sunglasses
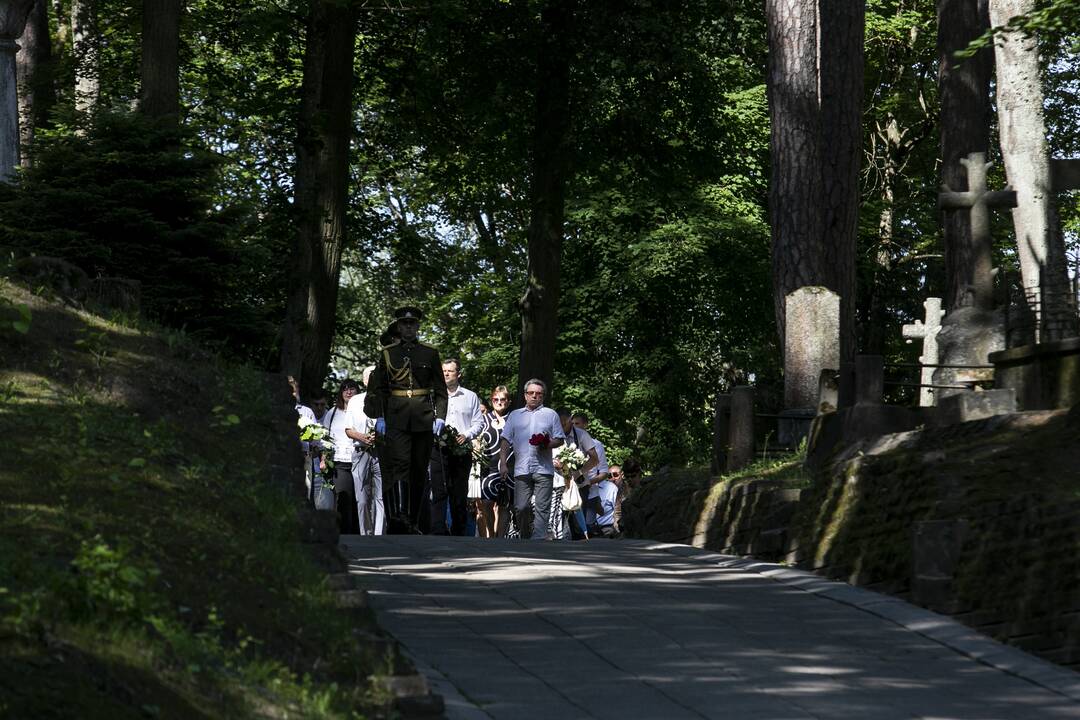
[532, 432]
[407, 397]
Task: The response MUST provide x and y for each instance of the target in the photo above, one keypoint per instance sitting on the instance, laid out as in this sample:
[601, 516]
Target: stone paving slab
[637, 629]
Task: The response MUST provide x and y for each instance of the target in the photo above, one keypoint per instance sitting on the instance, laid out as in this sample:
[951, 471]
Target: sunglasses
[500, 400]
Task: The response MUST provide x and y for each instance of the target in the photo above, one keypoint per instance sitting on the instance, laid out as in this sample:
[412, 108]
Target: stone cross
[811, 344]
[927, 331]
[978, 200]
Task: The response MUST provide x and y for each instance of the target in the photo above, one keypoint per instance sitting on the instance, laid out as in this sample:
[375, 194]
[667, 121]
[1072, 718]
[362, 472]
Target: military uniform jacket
[403, 367]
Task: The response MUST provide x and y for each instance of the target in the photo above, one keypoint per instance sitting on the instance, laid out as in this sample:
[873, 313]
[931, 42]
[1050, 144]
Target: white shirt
[463, 412]
[601, 461]
[608, 493]
[335, 421]
[355, 419]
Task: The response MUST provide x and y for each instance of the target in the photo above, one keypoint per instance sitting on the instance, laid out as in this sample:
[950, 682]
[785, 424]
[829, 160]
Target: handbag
[571, 498]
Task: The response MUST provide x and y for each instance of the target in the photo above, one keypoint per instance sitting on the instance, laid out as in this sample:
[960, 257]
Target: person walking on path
[336, 422]
[408, 399]
[366, 470]
[450, 465]
[532, 432]
[493, 508]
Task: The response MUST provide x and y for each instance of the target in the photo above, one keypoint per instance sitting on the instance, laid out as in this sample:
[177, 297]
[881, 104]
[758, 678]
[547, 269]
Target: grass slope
[148, 568]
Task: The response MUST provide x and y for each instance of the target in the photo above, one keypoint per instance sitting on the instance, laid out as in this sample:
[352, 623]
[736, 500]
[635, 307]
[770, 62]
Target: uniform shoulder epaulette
[397, 341]
[424, 344]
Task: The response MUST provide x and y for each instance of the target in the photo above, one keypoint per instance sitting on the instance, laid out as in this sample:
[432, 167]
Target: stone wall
[980, 521]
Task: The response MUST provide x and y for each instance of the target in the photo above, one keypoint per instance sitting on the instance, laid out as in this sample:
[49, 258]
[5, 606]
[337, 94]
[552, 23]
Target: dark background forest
[651, 117]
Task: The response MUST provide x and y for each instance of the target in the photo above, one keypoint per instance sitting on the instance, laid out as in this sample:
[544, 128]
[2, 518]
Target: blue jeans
[525, 487]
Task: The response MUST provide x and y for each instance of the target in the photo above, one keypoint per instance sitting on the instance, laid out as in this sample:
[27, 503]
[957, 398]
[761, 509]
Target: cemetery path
[636, 629]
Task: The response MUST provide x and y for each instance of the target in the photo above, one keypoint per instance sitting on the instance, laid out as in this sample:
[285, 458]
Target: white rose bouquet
[321, 443]
[571, 459]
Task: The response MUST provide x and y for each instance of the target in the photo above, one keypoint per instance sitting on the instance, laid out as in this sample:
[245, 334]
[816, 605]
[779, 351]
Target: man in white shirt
[366, 471]
[599, 471]
[532, 432]
[450, 463]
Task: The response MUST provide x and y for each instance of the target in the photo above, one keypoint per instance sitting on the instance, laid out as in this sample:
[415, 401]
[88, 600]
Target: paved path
[632, 629]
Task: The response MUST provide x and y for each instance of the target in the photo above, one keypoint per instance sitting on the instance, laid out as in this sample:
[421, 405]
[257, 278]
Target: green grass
[148, 568]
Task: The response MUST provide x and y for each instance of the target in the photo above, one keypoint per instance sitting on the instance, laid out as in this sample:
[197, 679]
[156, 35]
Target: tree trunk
[841, 42]
[160, 96]
[798, 258]
[34, 71]
[85, 44]
[322, 164]
[547, 191]
[815, 80]
[1026, 153]
[964, 90]
[13, 14]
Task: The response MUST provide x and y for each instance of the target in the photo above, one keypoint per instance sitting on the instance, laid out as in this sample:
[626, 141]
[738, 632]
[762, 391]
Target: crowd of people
[414, 451]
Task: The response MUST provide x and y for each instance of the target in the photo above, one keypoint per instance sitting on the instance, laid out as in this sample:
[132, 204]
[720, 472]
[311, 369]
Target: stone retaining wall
[980, 521]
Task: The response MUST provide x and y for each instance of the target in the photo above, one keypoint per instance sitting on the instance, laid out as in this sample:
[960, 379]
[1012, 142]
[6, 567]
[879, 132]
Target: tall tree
[841, 41]
[815, 80]
[964, 93]
[86, 52]
[322, 174]
[1024, 148]
[160, 97]
[34, 71]
[547, 194]
[13, 14]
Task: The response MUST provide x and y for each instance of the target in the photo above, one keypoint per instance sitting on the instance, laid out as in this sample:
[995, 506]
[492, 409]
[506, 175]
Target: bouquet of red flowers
[540, 440]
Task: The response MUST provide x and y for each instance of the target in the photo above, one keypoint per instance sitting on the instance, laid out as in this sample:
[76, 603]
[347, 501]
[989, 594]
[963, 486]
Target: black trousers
[345, 495]
[449, 486]
[405, 458]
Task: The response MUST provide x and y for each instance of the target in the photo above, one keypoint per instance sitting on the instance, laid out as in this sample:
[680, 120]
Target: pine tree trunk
[85, 44]
[798, 258]
[550, 171]
[1026, 153]
[964, 91]
[842, 39]
[13, 14]
[160, 97]
[34, 72]
[322, 163]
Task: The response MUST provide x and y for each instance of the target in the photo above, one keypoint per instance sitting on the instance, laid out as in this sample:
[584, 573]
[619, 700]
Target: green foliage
[153, 551]
[127, 198]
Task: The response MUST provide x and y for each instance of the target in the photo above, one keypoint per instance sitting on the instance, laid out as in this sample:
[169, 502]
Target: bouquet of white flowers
[322, 443]
[571, 458]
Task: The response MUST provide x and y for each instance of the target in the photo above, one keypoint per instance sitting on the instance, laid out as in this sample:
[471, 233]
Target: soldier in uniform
[408, 398]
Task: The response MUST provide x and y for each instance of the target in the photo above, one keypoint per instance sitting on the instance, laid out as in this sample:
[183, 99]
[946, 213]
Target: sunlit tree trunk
[815, 80]
[1024, 148]
[34, 72]
[322, 164]
[13, 14]
[547, 194]
[85, 50]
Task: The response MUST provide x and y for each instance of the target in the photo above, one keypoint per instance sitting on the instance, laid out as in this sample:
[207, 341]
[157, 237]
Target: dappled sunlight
[672, 630]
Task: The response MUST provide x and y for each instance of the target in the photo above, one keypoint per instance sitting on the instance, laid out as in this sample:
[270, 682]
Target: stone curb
[939, 628]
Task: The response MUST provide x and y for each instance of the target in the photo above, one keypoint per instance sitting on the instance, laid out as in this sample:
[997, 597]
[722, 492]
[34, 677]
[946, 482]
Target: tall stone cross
[927, 331]
[978, 200]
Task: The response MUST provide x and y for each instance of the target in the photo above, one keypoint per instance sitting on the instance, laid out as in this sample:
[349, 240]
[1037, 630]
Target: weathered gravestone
[811, 344]
[927, 331]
